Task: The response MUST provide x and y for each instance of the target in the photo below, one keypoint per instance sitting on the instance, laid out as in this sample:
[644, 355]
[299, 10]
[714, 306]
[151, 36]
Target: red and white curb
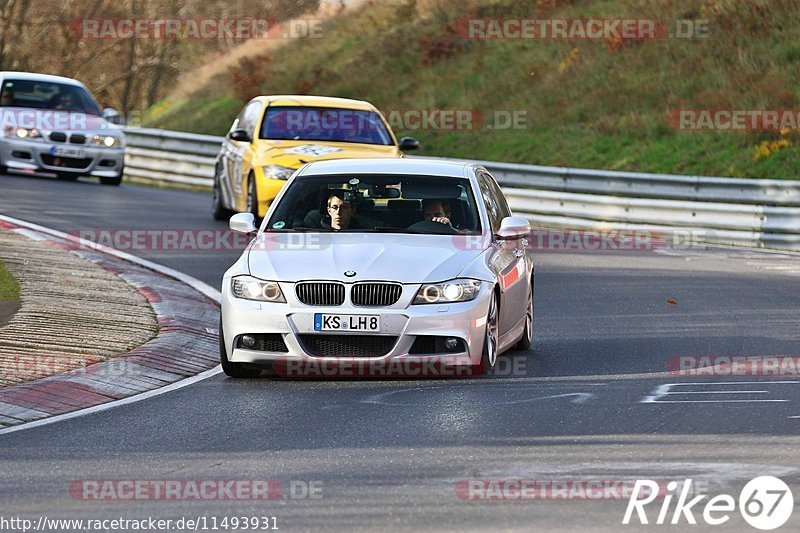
[184, 351]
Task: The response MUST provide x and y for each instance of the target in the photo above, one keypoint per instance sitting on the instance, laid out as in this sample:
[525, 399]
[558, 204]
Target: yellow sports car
[275, 135]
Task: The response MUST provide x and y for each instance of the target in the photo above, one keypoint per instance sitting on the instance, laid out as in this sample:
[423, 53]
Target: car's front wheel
[252, 197]
[234, 370]
[489, 355]
[527, 337]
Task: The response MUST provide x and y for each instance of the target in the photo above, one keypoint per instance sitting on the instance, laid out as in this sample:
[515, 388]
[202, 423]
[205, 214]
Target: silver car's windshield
[299, 123]
[47, 95]
[377, 203]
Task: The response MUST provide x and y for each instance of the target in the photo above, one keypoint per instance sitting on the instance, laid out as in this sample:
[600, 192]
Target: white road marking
[381, 399]
[666, 389]
[195, 283]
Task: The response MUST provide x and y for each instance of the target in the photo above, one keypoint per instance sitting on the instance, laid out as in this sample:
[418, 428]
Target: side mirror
[112, 115]
[512, 228]
[408, 143]
[240, 135]
[243, 223]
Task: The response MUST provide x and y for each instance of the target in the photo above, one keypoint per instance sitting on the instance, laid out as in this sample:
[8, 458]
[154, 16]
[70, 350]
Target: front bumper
[28, 155]
[293, 320]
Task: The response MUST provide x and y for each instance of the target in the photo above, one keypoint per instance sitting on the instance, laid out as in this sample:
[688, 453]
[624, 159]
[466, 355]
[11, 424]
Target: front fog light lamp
[457, 290]
[250, 288]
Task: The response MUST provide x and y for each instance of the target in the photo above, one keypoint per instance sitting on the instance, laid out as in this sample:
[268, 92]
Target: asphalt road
[592, 401]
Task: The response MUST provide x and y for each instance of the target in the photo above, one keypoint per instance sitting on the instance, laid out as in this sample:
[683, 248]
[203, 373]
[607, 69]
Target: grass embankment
[589, 103]
[9, 286]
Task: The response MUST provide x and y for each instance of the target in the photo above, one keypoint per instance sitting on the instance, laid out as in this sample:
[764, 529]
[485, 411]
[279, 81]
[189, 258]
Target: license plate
[63, 151]
[326, 322]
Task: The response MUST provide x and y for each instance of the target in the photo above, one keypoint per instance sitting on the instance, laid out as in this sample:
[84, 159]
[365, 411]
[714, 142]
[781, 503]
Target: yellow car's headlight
[457, 290]
[250, 288]
[277, 172]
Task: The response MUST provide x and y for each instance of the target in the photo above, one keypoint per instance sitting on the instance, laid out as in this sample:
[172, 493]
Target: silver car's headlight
[23, 133]
[457, 290]
[277, 172]
[109, 141]
[250, 288]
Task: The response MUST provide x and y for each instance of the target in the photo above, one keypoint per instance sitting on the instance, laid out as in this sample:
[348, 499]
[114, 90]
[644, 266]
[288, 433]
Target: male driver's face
[435, 210]
[340, 213]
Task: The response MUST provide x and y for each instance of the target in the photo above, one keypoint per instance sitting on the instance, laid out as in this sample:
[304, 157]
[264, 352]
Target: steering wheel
[428, 226]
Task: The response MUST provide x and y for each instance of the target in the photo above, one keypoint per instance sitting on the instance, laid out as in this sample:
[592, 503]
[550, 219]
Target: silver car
[379, 267]
[53, 124]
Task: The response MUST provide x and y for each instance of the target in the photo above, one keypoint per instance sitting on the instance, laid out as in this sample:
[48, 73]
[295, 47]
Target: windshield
[47, 95]
[324, 124]
[377, 203]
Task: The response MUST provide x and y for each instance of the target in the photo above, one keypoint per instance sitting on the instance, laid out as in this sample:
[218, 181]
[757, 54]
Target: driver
[7, 98]
[340, 213]
[437, 211]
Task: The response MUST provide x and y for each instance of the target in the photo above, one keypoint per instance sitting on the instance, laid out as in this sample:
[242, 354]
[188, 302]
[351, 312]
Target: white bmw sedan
[379, 267]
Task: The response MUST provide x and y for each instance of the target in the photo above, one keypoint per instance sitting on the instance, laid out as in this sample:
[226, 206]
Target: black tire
[527, 338]
[116, 180]
[491, 337]
[252, 197]
[218, 209]
[234, 370]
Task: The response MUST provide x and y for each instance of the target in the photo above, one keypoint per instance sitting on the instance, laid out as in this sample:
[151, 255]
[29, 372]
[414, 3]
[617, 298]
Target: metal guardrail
[751, 212]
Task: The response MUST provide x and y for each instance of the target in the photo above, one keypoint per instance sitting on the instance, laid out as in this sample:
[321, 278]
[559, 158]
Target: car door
[230, 162]
[252, 116]
[507, 258]
[240, 154]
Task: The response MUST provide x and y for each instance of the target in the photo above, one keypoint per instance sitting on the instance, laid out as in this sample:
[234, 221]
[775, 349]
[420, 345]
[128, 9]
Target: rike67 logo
[765, 503]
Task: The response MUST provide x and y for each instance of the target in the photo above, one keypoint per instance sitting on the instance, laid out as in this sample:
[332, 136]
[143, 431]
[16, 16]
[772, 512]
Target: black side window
[493, 208]
[505, 211]
[251, 115]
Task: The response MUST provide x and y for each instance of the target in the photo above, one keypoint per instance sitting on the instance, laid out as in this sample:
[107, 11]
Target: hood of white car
[404, 258]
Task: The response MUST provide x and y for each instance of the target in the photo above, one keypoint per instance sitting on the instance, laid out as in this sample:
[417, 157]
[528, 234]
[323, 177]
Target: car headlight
[109, 141]
[277, 172]
[457, 290]
[23, 133]
[250, 288]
